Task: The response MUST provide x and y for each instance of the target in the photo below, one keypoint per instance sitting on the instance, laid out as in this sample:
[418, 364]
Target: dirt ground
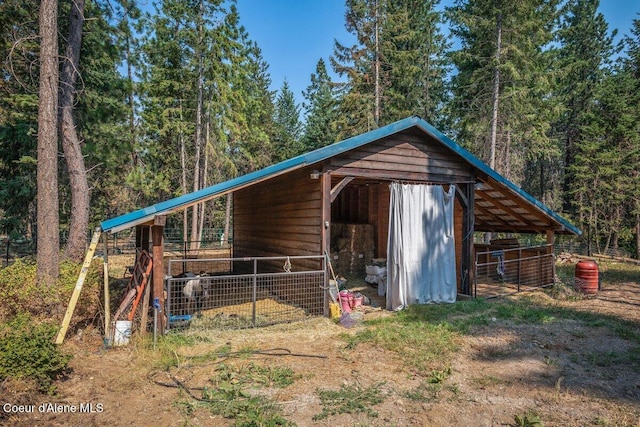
[564, 371]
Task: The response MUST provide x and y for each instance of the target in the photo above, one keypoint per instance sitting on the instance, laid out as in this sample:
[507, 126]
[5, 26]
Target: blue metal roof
[182, 202]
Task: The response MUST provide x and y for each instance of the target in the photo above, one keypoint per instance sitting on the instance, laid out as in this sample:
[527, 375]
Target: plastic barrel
[587, 279]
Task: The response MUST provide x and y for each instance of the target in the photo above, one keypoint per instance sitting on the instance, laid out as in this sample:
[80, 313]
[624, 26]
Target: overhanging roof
[499, 205]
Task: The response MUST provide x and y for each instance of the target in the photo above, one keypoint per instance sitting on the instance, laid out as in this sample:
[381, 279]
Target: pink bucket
[358, 301]
[345, 301]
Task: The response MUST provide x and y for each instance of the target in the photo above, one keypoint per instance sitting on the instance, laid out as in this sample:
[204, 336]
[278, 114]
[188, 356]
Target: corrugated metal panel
[179, 203]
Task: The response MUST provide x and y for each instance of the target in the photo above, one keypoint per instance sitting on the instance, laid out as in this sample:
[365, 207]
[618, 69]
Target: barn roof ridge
[184, 201]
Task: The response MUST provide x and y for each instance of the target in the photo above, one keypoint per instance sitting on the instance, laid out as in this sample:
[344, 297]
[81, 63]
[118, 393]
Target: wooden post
[144, 242]
[76, 291]
[144, 315]
[551, 236]
[326, 227]
[139, 237]
[157, 238]
[105, 279]
[468, 193]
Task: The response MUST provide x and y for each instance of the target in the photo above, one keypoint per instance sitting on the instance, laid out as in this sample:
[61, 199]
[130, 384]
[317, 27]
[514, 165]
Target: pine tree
[105, 122]
[628, 130]
[287, 125]
[585, 49]
[397, 67]
[361, 94]
[415, 61]
[502, 85]
[320, 110]
[18, 118]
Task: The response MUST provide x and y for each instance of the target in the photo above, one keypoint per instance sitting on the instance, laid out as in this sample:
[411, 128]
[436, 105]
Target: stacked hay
[353, 247]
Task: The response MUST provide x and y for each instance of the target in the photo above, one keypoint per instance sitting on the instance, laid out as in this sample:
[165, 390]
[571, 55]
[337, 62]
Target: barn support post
[551, 241]
[326, 227]
[139, 237]
[157, 238]
[467, 198]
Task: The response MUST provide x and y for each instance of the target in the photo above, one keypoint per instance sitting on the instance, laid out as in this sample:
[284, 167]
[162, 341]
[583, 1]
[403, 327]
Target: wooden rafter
[503, 207]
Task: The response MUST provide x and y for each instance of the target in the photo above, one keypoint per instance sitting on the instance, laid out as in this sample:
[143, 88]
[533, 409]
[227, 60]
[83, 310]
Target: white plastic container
[122, 332]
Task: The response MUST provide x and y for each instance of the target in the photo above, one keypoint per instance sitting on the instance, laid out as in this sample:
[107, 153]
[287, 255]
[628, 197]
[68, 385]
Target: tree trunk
[198, 137]
[48, 239]
[542, 183]
[78, 229]
[204, 178]
[183, 165]
[377, 67]
[637, 234]
[496, 96]
[130, 94]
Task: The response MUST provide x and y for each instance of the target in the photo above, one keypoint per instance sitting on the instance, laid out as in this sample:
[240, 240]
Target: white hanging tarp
[421, 259]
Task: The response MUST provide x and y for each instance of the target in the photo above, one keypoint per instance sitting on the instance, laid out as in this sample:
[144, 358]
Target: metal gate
[223, 293]
[506, 271]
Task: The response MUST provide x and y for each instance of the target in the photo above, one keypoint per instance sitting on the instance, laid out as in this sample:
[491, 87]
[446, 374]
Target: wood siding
[403, 157]
[279, 217]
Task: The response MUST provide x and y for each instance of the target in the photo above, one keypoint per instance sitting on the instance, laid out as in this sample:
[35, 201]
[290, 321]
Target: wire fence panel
[506, 271]
[217, 299]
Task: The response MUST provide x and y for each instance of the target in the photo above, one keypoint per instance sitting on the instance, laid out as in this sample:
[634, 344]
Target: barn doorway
[421, 265]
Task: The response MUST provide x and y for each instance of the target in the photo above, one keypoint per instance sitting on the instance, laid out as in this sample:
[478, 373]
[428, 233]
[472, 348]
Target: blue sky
[295, 34]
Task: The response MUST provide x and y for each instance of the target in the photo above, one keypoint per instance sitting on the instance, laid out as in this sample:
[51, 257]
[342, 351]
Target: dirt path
[569, 373]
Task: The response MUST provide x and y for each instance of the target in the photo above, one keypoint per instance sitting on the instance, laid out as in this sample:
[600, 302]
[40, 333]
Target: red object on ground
[587, 280]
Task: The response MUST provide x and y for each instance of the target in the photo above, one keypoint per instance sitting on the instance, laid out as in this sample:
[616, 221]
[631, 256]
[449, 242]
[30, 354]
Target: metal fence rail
[505, 271]
[225, 293]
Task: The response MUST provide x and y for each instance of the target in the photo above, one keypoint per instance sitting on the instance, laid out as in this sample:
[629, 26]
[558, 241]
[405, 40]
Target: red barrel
[587, 277]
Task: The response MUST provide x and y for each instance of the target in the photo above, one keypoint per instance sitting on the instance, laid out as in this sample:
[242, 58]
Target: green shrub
[20, 294]
[27, 351]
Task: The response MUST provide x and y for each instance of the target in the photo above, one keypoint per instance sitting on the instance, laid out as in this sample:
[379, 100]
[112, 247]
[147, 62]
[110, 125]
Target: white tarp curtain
[421, 259]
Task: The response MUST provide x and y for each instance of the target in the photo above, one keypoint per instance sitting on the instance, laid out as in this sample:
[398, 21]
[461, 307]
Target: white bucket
[122, 332]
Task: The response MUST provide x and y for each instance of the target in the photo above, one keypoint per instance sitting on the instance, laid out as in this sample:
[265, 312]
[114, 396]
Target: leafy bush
[20, 294]
[27, 351]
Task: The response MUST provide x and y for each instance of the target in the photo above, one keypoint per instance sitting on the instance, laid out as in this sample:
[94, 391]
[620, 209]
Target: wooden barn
[336, 200]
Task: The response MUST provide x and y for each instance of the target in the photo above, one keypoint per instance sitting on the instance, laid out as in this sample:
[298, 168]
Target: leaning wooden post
[157, 236]
[76, 291]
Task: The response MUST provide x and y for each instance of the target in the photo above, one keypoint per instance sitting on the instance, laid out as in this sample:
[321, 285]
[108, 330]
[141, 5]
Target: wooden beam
[144, 237]
[138, 237]
[340, 186]
[76, 291]
[157, 237]
[496, 203]
[326, 226]
[105, 280]
[551, 236]
[461, 196]
[468, 228]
